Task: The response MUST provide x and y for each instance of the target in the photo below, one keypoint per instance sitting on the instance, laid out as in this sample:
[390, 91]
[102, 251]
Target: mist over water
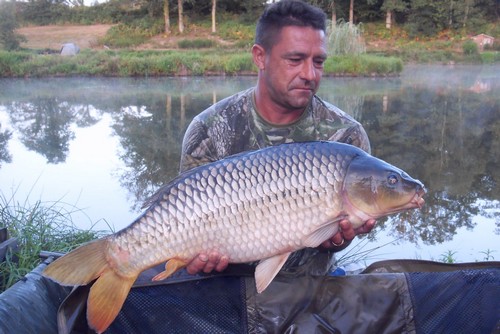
[103, 145]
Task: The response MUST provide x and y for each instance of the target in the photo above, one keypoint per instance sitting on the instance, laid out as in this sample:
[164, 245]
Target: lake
[101, 146]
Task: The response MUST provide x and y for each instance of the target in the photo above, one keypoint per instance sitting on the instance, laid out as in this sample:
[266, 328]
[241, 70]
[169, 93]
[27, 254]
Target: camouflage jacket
[233, 125]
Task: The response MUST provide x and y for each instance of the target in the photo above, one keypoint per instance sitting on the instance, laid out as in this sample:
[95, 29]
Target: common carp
[259, 205]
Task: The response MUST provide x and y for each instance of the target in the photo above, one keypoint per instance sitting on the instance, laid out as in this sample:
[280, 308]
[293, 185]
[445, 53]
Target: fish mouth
[418, 201]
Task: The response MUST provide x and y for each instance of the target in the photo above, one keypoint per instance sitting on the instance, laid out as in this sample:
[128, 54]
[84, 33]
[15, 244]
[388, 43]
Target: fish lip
[419, 202]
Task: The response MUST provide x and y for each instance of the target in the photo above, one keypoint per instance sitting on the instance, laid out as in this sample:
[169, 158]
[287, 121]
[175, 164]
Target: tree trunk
[181, 21]
[334, 15]
[214, 8]
[466, 12]
[351, 12]
[166, 16]
[388, 19]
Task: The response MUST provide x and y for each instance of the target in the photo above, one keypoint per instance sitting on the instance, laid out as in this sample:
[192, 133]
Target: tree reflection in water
[444, 130]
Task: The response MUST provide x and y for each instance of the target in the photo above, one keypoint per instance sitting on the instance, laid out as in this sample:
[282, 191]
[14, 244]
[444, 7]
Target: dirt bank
[53, 37]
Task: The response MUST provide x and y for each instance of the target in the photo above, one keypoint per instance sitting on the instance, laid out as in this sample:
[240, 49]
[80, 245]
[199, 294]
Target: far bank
[144, 63]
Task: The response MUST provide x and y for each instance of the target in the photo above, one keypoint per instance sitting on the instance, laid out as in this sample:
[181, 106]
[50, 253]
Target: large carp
[259, 205]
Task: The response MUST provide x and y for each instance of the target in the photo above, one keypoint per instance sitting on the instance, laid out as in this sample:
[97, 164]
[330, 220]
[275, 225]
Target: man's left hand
[346, 234]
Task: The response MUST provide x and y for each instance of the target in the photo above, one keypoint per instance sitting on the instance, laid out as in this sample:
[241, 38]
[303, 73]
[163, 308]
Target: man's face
[294, 66]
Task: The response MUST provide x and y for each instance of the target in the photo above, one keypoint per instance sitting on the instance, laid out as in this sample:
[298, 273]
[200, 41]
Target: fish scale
[259, 205]
[265, 201]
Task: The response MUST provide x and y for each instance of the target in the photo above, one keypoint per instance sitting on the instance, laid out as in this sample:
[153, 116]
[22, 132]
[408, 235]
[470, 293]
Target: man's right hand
[207, 263]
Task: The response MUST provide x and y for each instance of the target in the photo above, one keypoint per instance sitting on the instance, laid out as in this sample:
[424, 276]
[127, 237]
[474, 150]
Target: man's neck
[275, 114]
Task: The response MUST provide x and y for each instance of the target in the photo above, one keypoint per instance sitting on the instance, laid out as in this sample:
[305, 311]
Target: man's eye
[319, 62]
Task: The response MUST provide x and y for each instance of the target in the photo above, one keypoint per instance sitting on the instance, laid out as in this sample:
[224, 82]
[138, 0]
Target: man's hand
[346, 234]
[207, 263]
[214, 261]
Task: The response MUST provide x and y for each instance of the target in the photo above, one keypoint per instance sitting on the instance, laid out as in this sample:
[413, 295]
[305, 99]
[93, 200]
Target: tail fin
[106, 299]
[81, 266]
[107, 294]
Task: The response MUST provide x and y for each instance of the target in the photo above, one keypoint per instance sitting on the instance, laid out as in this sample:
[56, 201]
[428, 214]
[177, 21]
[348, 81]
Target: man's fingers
[366, 227]
[213, 260]
[197, 264]
[223, 263]
[346, 231]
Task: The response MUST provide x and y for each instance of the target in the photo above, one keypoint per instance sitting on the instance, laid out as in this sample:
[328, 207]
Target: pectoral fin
[171, 267]
[267, 269]
[323, 233]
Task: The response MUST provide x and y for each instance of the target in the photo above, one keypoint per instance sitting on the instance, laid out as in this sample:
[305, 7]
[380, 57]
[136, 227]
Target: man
[289, 52]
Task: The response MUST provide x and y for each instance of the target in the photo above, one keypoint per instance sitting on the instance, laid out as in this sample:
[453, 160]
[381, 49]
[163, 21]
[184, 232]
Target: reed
[42, 226]
[346, 39]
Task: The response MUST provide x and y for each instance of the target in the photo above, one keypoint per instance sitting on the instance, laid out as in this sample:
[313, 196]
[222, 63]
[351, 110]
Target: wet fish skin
[259, 205]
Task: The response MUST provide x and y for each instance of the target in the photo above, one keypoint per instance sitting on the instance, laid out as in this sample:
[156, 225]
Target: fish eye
[392, 179]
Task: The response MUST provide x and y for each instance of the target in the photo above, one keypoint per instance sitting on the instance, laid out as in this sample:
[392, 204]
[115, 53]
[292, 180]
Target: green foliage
[198, 43]
[470, 48]
[10, 62]
[9, 40]
[363, 65]
[346, 39]
[239, 63]
[236, 31]
[38, 227]
[488, 57]
[170, 63]
[44, 12]
[123, 36]
[448, 257]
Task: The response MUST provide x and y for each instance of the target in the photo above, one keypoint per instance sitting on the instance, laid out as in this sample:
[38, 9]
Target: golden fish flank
[259, 205]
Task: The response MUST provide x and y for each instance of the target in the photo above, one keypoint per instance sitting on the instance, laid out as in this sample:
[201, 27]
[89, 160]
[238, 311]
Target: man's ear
[258, 55]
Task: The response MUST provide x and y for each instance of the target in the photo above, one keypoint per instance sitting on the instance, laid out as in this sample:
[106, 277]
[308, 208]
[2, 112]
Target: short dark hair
[287, 13]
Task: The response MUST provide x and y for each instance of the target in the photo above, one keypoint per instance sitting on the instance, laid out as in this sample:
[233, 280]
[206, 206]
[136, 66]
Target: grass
[127, 63]
[199, 43]
[42, 226]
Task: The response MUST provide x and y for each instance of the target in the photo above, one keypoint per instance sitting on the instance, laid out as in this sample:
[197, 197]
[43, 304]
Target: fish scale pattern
[250, 206]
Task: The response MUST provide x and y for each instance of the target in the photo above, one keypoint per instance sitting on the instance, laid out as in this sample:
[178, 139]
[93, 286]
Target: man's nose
[308, 70]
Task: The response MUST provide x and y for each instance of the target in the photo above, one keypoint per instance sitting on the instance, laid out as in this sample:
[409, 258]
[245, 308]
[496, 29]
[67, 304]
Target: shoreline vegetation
[153, 63]
[37, 227]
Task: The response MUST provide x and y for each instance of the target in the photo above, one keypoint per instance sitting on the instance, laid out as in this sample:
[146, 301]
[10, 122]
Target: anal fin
[267, 269]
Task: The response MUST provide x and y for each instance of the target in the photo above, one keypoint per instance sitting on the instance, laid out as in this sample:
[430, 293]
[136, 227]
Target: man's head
[289, 51]
[287, 13]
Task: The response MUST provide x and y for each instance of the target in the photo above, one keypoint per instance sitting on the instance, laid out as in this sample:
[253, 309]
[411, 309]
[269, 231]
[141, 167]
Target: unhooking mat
[398, 296]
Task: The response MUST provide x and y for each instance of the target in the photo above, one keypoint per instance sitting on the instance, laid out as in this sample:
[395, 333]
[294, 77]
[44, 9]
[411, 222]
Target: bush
[196, 43]
[470, 48]
[9, 40]
[489, 57]
[122, 36]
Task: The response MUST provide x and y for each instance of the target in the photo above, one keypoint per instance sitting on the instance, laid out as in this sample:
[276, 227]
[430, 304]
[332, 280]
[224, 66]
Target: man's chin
[300, 102]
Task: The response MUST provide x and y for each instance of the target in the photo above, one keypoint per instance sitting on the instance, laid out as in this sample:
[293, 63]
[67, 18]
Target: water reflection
[440, 124]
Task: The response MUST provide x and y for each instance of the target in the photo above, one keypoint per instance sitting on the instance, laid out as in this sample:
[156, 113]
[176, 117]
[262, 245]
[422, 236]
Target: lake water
[102, 145]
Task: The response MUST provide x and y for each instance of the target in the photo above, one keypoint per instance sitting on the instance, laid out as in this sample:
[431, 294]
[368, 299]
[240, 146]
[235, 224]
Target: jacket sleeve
[197, 147]
[354, 135]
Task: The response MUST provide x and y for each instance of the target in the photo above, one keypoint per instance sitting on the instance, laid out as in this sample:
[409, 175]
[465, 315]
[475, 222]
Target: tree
[390, 6]
[351, 12]
[181, 21]
[9, 40]
[166, 16]
[334, 13]
[214, 8]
